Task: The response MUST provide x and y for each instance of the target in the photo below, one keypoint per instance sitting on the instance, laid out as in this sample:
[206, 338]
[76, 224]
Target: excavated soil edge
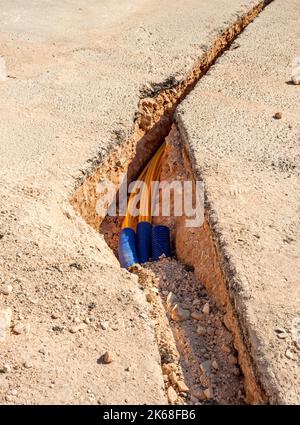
[202, 249]
[153, 123]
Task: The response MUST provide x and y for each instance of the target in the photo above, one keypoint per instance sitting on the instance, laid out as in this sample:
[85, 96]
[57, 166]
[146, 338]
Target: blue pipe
[160, 241]
[144, 241]
[127, 248]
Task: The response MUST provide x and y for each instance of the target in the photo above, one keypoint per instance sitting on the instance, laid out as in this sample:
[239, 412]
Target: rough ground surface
[207, 357]
[249, 161]
[76, 73]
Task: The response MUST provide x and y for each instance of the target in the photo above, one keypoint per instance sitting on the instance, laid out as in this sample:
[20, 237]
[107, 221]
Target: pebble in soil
[204, 343]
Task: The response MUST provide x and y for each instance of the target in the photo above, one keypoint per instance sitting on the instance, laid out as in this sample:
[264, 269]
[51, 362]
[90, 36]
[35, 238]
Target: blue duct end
[160, 242]
[127, 249]
[144, 241]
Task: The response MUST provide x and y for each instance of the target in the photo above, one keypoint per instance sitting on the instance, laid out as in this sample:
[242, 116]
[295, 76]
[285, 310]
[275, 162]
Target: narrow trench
[198, 358]
[203, 351]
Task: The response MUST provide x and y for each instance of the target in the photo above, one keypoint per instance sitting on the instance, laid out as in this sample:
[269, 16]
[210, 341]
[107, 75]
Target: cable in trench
[140, 241]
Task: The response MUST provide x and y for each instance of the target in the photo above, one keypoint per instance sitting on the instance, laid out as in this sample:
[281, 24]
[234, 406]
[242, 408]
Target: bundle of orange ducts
[141, 241]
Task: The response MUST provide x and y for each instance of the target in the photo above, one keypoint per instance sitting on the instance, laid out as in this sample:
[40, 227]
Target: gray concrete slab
[250, 164]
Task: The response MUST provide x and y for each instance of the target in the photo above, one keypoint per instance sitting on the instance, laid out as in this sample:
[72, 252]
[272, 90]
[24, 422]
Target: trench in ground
[204, 358]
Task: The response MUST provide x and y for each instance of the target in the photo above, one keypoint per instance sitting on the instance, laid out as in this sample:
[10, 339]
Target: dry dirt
[61, 328]
[207, 360]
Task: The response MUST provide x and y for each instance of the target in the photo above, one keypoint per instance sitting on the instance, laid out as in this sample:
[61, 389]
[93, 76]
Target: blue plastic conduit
[127, 248]
[160, 241]
[144, 241]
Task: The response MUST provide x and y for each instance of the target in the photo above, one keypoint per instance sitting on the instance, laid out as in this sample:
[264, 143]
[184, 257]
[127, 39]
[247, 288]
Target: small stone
[8, 398]
[277, 115]
[232, 359]
[103, 325]
[108, 357]
[197, 316]
[173, 378]
[27, 365]
[295, 74]
[179, 314]
[54, 315]
[21, 328]
[172, 395]
[215, 365]
[77, 328]
[87, 321]
[171, 300]
[14, 392]
[150, 297]
[168, 368]
[42, 351]
[208, 393]
[201, 330]
[6, 368]
[296, 79]
[6, 289]
[182, 388]
[290, 355]
[282, 335]
[5, 320]
[206, 367]
[205, 309]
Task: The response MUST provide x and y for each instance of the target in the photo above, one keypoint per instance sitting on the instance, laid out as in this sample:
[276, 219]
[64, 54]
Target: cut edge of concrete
[264, 373]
